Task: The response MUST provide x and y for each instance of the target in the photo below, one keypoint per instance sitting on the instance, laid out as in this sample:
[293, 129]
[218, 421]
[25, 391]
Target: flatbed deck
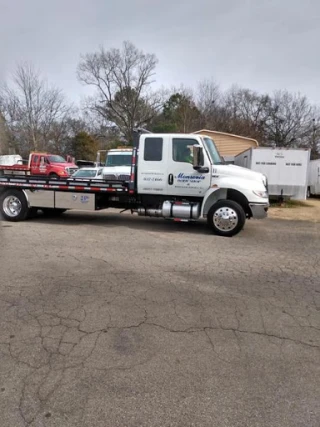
[70, 184]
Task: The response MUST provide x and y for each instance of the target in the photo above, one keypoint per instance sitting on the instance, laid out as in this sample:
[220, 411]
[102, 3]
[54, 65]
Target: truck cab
[51, 164]
[45, 164]
[118, 164]
[188, 170]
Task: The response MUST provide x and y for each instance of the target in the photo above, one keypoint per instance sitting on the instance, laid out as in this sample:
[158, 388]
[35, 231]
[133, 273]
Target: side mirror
[198, 161]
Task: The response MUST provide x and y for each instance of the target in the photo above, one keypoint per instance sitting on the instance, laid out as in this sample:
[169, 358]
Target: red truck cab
[44, 164]
[52, 165]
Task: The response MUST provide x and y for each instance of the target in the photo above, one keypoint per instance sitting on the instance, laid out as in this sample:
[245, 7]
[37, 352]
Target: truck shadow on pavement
[134, 222]
[114, 220]
[126, 220]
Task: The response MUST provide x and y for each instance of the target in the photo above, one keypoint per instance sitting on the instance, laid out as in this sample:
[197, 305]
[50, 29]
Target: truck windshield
[119, 160]
[212, 151]
[56, 159]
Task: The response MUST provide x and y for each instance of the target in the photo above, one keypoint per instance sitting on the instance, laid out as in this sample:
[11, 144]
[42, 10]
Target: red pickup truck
[43, 164]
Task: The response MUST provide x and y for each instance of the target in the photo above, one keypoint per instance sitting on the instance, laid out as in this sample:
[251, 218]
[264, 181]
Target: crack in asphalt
[65, 334]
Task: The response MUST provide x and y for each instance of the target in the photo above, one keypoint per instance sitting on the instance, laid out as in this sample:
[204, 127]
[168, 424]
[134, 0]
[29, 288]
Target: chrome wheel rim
[12, 206]
[225, 219]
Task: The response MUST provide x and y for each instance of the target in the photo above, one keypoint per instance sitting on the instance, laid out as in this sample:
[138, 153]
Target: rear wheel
[226, 218]
[14, 205]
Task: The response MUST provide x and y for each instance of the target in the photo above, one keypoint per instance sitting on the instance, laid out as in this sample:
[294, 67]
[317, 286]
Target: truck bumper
[259, 210]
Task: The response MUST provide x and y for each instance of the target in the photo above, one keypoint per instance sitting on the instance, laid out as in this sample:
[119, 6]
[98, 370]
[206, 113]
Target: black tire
[52, 212]
[227, 227]
[32, 213]
[54, 176]
[308, 193]
[14, 205]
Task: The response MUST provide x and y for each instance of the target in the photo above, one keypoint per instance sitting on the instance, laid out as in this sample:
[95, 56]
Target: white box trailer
[314, 178]
[286, 169]
[10, 159]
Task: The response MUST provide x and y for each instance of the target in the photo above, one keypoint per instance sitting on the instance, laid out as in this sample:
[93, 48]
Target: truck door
[43, 165]
[181, 177]
[152, 164]
[34, 165]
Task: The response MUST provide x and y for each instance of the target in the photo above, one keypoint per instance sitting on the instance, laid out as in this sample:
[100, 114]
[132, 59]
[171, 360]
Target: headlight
[262, 194]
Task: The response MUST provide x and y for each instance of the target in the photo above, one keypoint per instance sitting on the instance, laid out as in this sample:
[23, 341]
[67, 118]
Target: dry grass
[308, 210]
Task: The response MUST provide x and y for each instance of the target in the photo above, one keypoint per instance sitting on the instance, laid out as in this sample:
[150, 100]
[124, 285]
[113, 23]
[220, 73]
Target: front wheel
[14, 205]
[226, 218]
[54, 176]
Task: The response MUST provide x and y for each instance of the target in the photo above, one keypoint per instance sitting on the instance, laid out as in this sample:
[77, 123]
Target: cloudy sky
[260, 44]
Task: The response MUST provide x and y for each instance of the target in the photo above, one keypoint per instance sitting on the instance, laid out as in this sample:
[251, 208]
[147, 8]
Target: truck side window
[182, 149]
[153, 149]
[35, 159]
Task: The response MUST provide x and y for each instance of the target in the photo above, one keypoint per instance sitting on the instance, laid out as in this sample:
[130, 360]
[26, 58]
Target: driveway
[115, 320]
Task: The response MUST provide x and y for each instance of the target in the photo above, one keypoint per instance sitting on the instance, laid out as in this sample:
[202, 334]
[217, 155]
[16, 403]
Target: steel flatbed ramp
[70, 184]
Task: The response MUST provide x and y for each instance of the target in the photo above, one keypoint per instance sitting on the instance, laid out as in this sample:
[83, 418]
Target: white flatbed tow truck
[174, 176]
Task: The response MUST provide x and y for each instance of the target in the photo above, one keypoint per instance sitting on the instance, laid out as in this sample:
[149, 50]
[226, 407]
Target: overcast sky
[260, 44]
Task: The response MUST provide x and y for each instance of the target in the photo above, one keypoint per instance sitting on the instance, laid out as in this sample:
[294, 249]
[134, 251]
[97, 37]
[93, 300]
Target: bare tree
[4, 136]
[312, 138]
[123, 81]
[208, 102]
[247, 104]
[31, 109]
[248, 111]
[289, 119]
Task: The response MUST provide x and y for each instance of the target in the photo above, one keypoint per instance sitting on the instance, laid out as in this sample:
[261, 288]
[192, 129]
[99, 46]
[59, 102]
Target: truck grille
[111, 177]
[72, 170]
[117, 177]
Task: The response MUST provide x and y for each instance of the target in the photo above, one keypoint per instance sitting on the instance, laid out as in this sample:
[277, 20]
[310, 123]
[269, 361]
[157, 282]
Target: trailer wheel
[52, 212]
[308, 193]
[14, 205]
[226, 218]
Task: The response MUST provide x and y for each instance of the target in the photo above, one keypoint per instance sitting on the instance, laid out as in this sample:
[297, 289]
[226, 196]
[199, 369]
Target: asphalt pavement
[113, 320]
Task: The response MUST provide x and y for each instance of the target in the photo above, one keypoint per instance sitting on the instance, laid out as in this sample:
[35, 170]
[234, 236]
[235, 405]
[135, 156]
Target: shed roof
[228, 134]
[227, 143]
